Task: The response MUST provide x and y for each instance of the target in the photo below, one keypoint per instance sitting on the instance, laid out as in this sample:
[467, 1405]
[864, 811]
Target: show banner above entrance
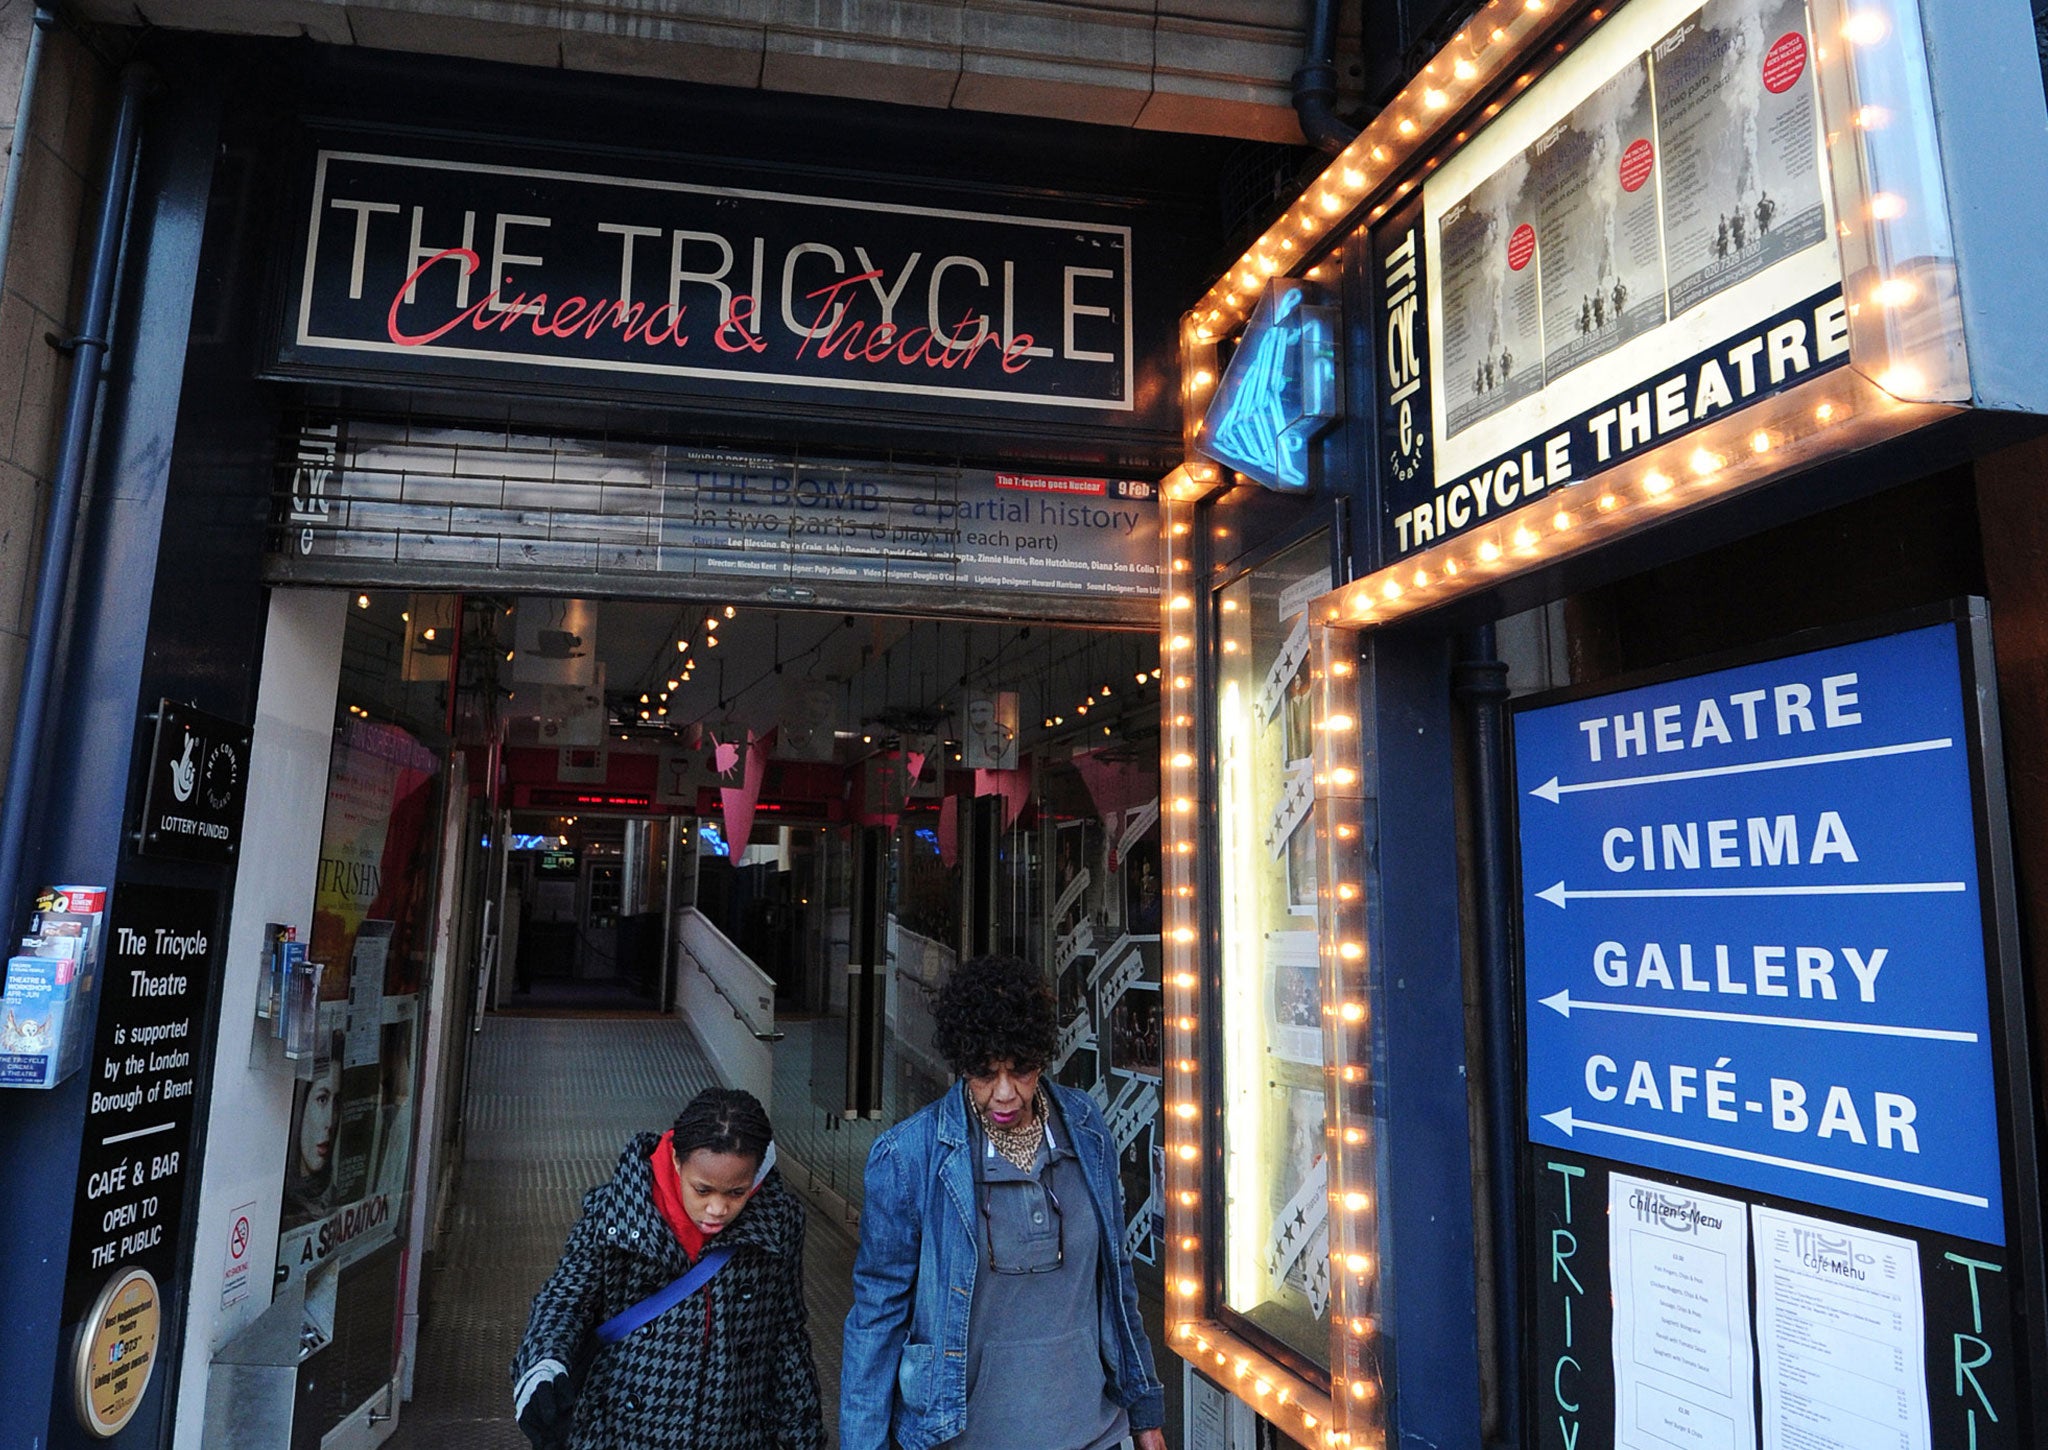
[424, 507]
[465, 267]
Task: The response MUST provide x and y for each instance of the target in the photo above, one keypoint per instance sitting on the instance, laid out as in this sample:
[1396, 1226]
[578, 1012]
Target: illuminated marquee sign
[1642, 244]
[445, 265]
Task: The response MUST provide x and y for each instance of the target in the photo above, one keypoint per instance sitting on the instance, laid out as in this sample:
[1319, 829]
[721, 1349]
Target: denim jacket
[905, 1370]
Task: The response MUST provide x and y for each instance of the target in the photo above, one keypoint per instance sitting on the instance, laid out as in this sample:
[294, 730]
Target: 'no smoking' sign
[234, 1278]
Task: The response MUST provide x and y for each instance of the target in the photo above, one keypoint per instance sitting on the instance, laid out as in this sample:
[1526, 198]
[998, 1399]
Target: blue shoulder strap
[656, 1304]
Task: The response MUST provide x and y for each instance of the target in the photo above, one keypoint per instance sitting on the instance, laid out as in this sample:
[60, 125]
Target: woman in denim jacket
[993, 1304]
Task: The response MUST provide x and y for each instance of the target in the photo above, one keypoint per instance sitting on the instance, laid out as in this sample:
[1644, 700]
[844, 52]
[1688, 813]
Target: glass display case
[1275, 1115]
[1272, 1131]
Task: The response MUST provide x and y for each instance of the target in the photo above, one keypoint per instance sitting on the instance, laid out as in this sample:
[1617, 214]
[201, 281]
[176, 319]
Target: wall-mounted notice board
[1779, 1187]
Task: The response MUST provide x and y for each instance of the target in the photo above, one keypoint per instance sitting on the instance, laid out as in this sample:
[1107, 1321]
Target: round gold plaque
[117, 1352]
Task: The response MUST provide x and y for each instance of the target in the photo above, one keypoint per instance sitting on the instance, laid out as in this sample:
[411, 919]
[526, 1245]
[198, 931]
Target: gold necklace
[1018, 1145]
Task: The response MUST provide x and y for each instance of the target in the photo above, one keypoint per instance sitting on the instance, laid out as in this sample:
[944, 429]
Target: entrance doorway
[766, 835]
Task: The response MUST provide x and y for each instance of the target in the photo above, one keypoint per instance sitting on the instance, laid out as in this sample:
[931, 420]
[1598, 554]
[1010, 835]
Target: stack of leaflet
[46, 1007]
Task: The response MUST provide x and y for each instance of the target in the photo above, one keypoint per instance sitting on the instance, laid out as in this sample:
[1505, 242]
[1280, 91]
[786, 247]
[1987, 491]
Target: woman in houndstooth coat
[728, 1368]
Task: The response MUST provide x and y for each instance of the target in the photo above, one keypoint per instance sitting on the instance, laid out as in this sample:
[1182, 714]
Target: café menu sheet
[1840, 1336]
[1683, 1373]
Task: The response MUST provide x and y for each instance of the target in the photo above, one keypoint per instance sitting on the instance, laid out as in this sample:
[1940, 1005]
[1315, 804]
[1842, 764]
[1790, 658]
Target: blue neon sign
[1753, 936]
[1279, 391]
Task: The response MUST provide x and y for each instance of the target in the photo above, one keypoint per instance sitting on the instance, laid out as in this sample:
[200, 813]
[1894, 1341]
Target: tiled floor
[551, 1102]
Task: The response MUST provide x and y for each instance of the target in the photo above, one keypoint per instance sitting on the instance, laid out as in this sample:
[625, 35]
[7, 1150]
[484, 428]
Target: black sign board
[1760, 359]
[1400, 290]
[459, 266]
[198, 784]
[144, 1071]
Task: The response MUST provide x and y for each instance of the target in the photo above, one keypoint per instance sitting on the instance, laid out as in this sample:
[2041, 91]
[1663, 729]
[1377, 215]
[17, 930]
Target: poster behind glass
[1100, 814]
[1276, 1164]
[350, 1154]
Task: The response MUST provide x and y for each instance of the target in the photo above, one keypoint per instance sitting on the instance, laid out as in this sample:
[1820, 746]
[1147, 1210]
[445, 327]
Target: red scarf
[668, 1197]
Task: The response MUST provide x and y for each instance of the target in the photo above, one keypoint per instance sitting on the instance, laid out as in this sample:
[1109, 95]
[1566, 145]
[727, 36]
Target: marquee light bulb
[1902, 380]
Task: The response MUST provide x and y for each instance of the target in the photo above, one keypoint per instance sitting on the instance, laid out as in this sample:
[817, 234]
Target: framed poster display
[1275, 1114]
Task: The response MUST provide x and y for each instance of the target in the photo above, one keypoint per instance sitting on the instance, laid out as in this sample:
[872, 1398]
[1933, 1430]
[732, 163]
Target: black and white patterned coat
[731, 1374]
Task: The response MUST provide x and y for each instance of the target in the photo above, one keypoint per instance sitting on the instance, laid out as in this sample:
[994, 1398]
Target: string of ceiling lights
[1014, 656]
[654, 702]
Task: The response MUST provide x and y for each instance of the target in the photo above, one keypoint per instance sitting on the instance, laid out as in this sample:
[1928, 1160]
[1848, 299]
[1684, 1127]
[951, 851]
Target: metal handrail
[746, 1020]
[772, 1035]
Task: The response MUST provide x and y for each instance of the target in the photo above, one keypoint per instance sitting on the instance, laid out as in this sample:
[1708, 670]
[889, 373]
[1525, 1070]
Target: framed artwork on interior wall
[1142, 891]
[1136, 1033]
[1076, 861]
[1070, 989]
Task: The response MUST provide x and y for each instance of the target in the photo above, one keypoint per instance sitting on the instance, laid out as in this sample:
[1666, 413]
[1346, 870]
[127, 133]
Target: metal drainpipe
[30, 69]
[1315, 84]
[88, 359]
[1480, 681]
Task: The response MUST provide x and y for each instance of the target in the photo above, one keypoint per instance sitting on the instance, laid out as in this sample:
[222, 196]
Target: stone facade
[41, 293]
[1210, 67]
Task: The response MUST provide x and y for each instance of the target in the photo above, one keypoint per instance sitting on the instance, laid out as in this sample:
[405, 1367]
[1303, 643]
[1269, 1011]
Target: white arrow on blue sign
[1738, 883]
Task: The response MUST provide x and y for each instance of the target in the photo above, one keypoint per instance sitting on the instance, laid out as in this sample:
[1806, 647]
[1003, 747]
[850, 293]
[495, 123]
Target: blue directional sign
[1753, 943]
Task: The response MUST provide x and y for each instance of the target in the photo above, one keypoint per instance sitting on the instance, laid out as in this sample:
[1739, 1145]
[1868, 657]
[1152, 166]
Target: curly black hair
[724, 1120]
[995, 1008]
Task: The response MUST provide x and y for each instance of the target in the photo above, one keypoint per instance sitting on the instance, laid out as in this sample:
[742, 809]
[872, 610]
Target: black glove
[546, 1412]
